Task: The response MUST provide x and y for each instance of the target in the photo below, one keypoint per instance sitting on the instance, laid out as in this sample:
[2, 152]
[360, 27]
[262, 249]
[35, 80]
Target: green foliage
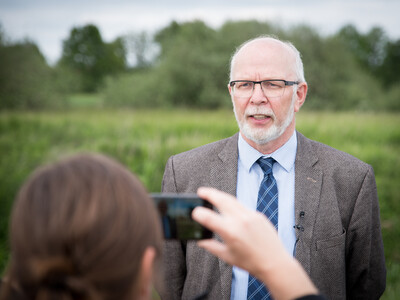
[144, 139]
[25, 78]
[193, 66]
[85, 52]
[369, 49]
[66, 80]
[137, 90]
[190, 72]
[393, 98]
[232, 34]
[84, 101]
[389, 70]
[375, 53]
[141, 46]
[345, 71]
[115, 59]
[335, 80]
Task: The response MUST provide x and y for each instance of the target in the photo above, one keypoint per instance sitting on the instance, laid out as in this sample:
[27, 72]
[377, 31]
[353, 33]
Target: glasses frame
[286, 82]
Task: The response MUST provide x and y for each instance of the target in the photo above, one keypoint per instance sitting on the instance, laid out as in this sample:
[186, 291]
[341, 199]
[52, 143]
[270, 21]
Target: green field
[143, 140]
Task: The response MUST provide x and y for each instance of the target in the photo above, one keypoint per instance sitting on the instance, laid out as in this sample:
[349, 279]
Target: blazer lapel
[223, 172]
[223, 176]
[308, 182]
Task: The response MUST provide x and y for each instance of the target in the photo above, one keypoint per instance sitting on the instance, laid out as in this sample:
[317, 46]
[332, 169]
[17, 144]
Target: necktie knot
[266, 164]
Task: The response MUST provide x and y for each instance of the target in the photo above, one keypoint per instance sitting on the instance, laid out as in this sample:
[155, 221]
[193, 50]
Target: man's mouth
[260, 117]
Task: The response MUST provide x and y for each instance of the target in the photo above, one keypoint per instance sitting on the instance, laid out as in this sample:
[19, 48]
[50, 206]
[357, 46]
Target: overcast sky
[48, 22]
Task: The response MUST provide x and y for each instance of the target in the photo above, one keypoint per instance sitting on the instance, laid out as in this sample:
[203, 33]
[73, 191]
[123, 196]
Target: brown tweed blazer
[339, 245]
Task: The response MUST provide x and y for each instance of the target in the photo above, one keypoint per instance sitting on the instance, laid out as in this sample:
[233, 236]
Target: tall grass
[144, 139]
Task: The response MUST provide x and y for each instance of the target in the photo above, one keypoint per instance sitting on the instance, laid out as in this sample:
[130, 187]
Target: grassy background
[143, 140]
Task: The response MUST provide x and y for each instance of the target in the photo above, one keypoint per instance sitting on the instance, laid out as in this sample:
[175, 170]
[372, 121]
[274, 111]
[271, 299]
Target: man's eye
[244, 85]
[272, 85]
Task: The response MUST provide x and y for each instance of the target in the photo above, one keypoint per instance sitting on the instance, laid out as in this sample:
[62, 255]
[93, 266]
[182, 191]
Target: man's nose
[258, 96]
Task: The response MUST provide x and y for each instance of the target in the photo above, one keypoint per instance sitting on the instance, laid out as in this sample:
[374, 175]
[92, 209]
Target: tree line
[187, 65]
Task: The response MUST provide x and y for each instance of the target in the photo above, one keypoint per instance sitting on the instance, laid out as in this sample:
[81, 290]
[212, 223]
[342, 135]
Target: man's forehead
[262, 53]
[265, 46]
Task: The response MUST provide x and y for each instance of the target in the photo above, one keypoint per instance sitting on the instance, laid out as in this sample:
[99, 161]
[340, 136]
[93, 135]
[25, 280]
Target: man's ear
[230, 89]
[301, 94]
[146, 273]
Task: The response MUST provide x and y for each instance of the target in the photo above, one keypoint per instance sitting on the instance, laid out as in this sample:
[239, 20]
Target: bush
[392, 98]
[138, 90]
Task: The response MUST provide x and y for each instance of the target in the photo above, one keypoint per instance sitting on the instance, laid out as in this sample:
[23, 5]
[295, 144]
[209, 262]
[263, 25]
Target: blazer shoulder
[214, 164]
[208, 151]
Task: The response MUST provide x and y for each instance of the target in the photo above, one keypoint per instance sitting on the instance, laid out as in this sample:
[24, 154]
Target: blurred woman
[82, 228]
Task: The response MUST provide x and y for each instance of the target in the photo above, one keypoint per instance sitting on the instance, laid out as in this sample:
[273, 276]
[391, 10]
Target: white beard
[262, 136]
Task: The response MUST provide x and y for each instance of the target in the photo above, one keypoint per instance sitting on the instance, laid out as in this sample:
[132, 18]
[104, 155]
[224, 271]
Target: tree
[389, 70]
[115, 59]
[369, 49]
[191, 65]
[85, 52]
[142, 47]
[25, 78]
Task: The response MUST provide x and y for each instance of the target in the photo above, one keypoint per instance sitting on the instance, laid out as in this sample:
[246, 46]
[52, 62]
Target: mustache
[251, 111]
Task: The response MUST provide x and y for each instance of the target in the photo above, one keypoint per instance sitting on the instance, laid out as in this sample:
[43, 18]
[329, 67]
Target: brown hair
[79, 229]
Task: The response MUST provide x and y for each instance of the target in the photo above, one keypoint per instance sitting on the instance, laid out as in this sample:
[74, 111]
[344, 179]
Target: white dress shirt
[249, 179]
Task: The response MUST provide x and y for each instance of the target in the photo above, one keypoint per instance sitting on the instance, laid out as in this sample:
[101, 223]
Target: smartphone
[175, 211]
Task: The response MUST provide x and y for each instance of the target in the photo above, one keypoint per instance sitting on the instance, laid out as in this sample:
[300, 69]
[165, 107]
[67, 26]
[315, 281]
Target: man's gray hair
[299, 69]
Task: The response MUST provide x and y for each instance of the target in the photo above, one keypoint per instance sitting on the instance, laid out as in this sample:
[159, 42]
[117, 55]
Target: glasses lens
[243, 88]
[273, 88]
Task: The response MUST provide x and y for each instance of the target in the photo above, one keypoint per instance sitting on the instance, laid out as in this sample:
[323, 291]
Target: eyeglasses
[272, 88]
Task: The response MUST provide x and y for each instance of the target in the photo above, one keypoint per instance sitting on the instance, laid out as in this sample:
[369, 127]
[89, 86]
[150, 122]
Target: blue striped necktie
[267, 203]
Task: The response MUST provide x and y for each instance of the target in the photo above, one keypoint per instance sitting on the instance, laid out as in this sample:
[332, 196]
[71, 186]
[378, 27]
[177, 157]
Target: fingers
[214, 221]
[224, 202]
[214, 247]
[207, 218]
[232, 218]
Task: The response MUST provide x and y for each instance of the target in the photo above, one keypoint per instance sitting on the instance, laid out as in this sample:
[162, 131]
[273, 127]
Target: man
[327, 211]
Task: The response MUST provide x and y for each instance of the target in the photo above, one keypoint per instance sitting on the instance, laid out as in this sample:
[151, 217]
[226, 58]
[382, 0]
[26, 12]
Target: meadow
[144, 139]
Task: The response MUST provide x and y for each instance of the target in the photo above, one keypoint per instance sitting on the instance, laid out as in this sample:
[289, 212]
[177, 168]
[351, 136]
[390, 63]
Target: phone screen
[175, 211]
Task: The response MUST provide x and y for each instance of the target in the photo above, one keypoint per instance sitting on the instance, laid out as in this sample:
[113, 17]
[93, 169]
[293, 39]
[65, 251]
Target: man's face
[261, 119]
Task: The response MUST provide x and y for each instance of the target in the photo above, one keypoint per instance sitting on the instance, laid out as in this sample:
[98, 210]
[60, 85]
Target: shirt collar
[285, 155]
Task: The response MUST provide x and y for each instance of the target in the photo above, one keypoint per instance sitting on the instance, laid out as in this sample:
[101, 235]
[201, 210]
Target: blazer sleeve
[366, 272]
[174, 266]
